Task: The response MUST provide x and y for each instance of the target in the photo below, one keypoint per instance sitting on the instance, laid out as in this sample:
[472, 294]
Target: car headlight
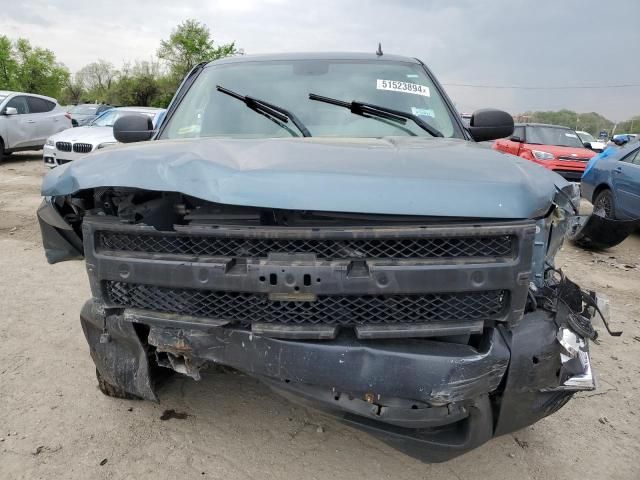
[50, 142]
[540, 155]
[106, 144]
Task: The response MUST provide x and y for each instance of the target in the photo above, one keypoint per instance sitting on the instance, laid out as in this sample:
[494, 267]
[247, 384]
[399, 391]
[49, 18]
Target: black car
[85, 113]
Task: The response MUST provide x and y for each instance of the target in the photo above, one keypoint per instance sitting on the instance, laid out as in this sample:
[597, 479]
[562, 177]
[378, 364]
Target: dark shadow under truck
[326, 224]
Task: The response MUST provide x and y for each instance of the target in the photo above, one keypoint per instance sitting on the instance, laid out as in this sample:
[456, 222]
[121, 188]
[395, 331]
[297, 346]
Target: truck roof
[314, 56]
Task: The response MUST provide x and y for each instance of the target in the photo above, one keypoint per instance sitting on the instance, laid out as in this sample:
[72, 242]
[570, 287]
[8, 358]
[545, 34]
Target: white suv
[27, 120]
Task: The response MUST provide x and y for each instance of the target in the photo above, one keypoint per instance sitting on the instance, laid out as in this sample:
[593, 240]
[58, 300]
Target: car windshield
[561, 137]
[207, 112]
[85, 109]
[108, 118]
[586, 137]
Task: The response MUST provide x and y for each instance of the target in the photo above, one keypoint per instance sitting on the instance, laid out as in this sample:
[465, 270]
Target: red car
[554, 147]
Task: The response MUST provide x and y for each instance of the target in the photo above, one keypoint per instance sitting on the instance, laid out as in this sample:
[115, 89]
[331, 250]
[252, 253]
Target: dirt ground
[54, 423]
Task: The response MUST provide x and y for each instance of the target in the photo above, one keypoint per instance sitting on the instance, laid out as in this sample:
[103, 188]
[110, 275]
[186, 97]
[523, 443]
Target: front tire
[605, 201]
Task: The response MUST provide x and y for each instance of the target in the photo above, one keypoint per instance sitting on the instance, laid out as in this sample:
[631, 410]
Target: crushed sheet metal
[576, 349]
[312, 174]
[464, 374]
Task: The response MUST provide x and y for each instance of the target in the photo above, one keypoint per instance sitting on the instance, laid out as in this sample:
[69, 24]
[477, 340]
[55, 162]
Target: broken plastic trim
[576, 357]
[600, 304]
[597, 232]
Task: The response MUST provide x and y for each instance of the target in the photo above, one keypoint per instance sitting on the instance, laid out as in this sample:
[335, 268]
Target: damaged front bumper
[431, 399]
[484, 358]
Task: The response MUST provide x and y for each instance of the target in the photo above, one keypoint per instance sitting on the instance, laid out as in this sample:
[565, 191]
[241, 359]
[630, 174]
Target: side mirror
[11, 111]
[490, 124]
[515, 138]
[588, 145]
[133, 128]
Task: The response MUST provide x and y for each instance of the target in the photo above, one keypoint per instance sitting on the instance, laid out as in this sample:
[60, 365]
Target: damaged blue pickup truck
[327, 224]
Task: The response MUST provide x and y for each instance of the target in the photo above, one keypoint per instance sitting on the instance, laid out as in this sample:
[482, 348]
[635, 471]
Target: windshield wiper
[274, 113]
[367, 109]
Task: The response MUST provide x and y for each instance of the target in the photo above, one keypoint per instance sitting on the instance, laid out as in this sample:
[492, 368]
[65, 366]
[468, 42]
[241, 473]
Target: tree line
[591, 122]
[153, 82]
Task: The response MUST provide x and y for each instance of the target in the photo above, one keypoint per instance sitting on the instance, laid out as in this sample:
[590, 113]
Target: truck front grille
[344, 310]
[368, 248]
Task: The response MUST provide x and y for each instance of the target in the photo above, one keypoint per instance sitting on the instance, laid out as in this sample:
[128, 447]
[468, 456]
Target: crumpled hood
[405, 176]
[93, 135]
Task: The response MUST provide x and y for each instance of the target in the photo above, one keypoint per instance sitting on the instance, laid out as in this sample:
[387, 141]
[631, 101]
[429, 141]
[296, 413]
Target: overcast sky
[532, 43]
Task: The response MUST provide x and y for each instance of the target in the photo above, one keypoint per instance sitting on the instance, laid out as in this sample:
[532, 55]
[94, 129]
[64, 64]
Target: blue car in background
[611, 182]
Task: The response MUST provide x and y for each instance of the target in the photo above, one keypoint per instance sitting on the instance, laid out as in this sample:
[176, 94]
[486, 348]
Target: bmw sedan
[76, 142]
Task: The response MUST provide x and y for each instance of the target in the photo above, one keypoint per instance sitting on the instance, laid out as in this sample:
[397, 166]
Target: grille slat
[400, 248]
[573, 159]
[342, 310]
[63, 146]
[82, 147]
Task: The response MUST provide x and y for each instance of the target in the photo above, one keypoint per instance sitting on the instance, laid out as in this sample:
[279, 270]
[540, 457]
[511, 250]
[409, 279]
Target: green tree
[38, 70]
[189, 44]
[73, 92]
[590, 122]
[8, 65]
[138, 85]
[630, 126]
[97, 78]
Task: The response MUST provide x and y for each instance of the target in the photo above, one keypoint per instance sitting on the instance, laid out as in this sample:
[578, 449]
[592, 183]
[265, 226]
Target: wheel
[2, 152]
[604, 201]
[112, 390]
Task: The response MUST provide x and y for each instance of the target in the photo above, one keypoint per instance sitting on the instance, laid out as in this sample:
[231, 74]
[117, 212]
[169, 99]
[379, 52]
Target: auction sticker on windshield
[403, 87]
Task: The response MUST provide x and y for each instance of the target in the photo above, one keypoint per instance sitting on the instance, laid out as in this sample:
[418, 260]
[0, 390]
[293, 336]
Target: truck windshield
[561, 137]
[405, 87]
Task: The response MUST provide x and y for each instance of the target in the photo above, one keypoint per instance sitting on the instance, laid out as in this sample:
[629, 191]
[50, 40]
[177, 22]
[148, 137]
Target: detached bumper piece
[575, 358]
[59, 239]
[596, 232]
